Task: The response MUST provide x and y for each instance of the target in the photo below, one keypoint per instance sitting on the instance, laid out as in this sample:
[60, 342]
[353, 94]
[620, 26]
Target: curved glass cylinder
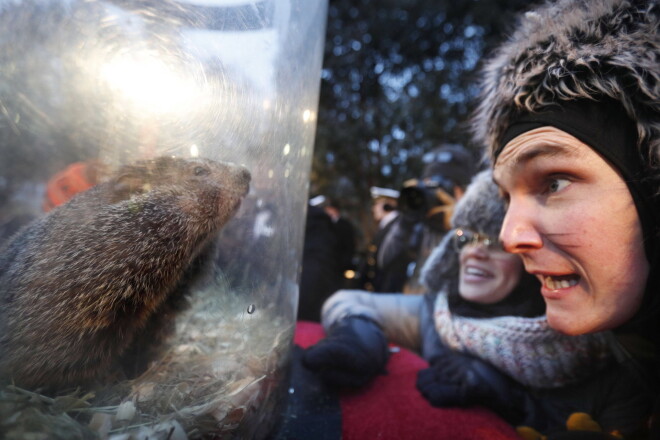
[153, 185]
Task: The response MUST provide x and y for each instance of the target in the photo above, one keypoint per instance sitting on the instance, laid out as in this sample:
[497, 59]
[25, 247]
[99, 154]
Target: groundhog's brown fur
[78, 285]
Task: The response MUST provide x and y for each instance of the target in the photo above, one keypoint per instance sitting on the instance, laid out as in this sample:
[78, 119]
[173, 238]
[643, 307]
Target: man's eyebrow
[546, 150]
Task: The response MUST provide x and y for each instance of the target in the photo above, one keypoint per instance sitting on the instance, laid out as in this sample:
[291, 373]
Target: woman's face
[487, 275]
[573, 221]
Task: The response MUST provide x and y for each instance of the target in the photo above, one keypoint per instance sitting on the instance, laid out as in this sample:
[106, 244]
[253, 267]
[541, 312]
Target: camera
[427, 200]
[421, 196]
[417, 199]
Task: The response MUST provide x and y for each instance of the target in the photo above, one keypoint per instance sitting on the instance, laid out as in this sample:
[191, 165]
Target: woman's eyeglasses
[464, 237]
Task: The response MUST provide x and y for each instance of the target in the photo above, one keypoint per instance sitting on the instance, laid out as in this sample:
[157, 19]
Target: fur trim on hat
[481, 209]
[441, 266]
[577, 49]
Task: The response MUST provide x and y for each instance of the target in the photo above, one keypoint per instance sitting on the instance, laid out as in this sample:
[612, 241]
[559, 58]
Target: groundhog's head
[208, 191]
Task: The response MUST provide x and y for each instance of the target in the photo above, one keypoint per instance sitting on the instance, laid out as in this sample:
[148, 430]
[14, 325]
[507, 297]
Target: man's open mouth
[560, 282]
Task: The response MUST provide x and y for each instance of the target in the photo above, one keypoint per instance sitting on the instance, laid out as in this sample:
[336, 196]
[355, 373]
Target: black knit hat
[449, 162]
[481, 209]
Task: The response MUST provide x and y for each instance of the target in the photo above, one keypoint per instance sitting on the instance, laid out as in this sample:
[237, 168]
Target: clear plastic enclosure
[153, 187]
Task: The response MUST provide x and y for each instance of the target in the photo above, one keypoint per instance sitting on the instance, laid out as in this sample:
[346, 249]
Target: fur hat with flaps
[481, 210]
[570, 50]
[599, 61]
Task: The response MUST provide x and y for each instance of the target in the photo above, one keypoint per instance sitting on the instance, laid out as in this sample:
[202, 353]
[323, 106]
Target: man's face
[378, 208]
[573, 221]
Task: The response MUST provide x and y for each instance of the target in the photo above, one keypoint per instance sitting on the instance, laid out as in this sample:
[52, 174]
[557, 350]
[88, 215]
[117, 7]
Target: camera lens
[412, 199]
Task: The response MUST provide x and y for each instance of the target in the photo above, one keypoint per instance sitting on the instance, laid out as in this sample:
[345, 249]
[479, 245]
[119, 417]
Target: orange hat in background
[77, 177]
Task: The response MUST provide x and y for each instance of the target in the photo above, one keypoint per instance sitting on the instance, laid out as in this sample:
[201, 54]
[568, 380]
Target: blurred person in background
[375, 278]
[344, 231]
[328, 249]
[425, 207]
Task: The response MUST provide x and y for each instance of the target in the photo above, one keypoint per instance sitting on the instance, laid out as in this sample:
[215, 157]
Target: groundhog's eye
[201, 171]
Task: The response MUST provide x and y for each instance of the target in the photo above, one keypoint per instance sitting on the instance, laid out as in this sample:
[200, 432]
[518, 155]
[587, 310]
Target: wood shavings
[221, 377]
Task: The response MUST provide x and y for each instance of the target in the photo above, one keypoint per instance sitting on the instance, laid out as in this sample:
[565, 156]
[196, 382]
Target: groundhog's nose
[244, 175]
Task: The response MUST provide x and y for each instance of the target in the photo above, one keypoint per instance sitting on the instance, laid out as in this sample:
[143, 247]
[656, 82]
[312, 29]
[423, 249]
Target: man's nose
[519, 233]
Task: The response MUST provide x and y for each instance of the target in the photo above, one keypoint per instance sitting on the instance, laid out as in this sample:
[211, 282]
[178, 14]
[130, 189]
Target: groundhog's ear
[130, 180]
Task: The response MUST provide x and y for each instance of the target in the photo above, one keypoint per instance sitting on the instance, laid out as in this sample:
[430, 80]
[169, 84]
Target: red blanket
[391, 408]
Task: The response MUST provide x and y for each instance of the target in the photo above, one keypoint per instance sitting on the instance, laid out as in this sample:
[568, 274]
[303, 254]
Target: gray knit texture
[526, 349]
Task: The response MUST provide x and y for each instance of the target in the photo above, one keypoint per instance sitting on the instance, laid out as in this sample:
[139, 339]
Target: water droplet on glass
[251, 308]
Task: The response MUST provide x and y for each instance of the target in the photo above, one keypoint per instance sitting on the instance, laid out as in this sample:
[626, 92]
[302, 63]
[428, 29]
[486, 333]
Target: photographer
[374, 278]
[426, 206]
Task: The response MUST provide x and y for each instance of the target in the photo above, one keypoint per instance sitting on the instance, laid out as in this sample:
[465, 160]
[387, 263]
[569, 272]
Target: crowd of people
[539, 278]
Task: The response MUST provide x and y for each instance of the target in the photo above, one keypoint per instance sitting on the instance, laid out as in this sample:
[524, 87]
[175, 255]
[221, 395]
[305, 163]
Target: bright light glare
[194, 151]
[150, 84]
[307, 115]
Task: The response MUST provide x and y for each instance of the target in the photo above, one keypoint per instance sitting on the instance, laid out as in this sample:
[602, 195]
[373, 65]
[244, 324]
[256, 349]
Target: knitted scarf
[526, 349]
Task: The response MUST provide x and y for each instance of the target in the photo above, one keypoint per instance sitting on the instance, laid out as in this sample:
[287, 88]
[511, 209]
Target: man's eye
[558, 184]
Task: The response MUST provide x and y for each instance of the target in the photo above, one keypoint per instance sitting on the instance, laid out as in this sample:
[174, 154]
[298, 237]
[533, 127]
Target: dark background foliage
[399, 78]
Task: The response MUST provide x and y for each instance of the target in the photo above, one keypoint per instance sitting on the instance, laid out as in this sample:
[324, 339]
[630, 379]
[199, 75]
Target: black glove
[354, 352]
[458, 379]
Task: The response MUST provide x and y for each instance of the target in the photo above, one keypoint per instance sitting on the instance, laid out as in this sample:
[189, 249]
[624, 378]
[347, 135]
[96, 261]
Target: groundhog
[79, 285]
